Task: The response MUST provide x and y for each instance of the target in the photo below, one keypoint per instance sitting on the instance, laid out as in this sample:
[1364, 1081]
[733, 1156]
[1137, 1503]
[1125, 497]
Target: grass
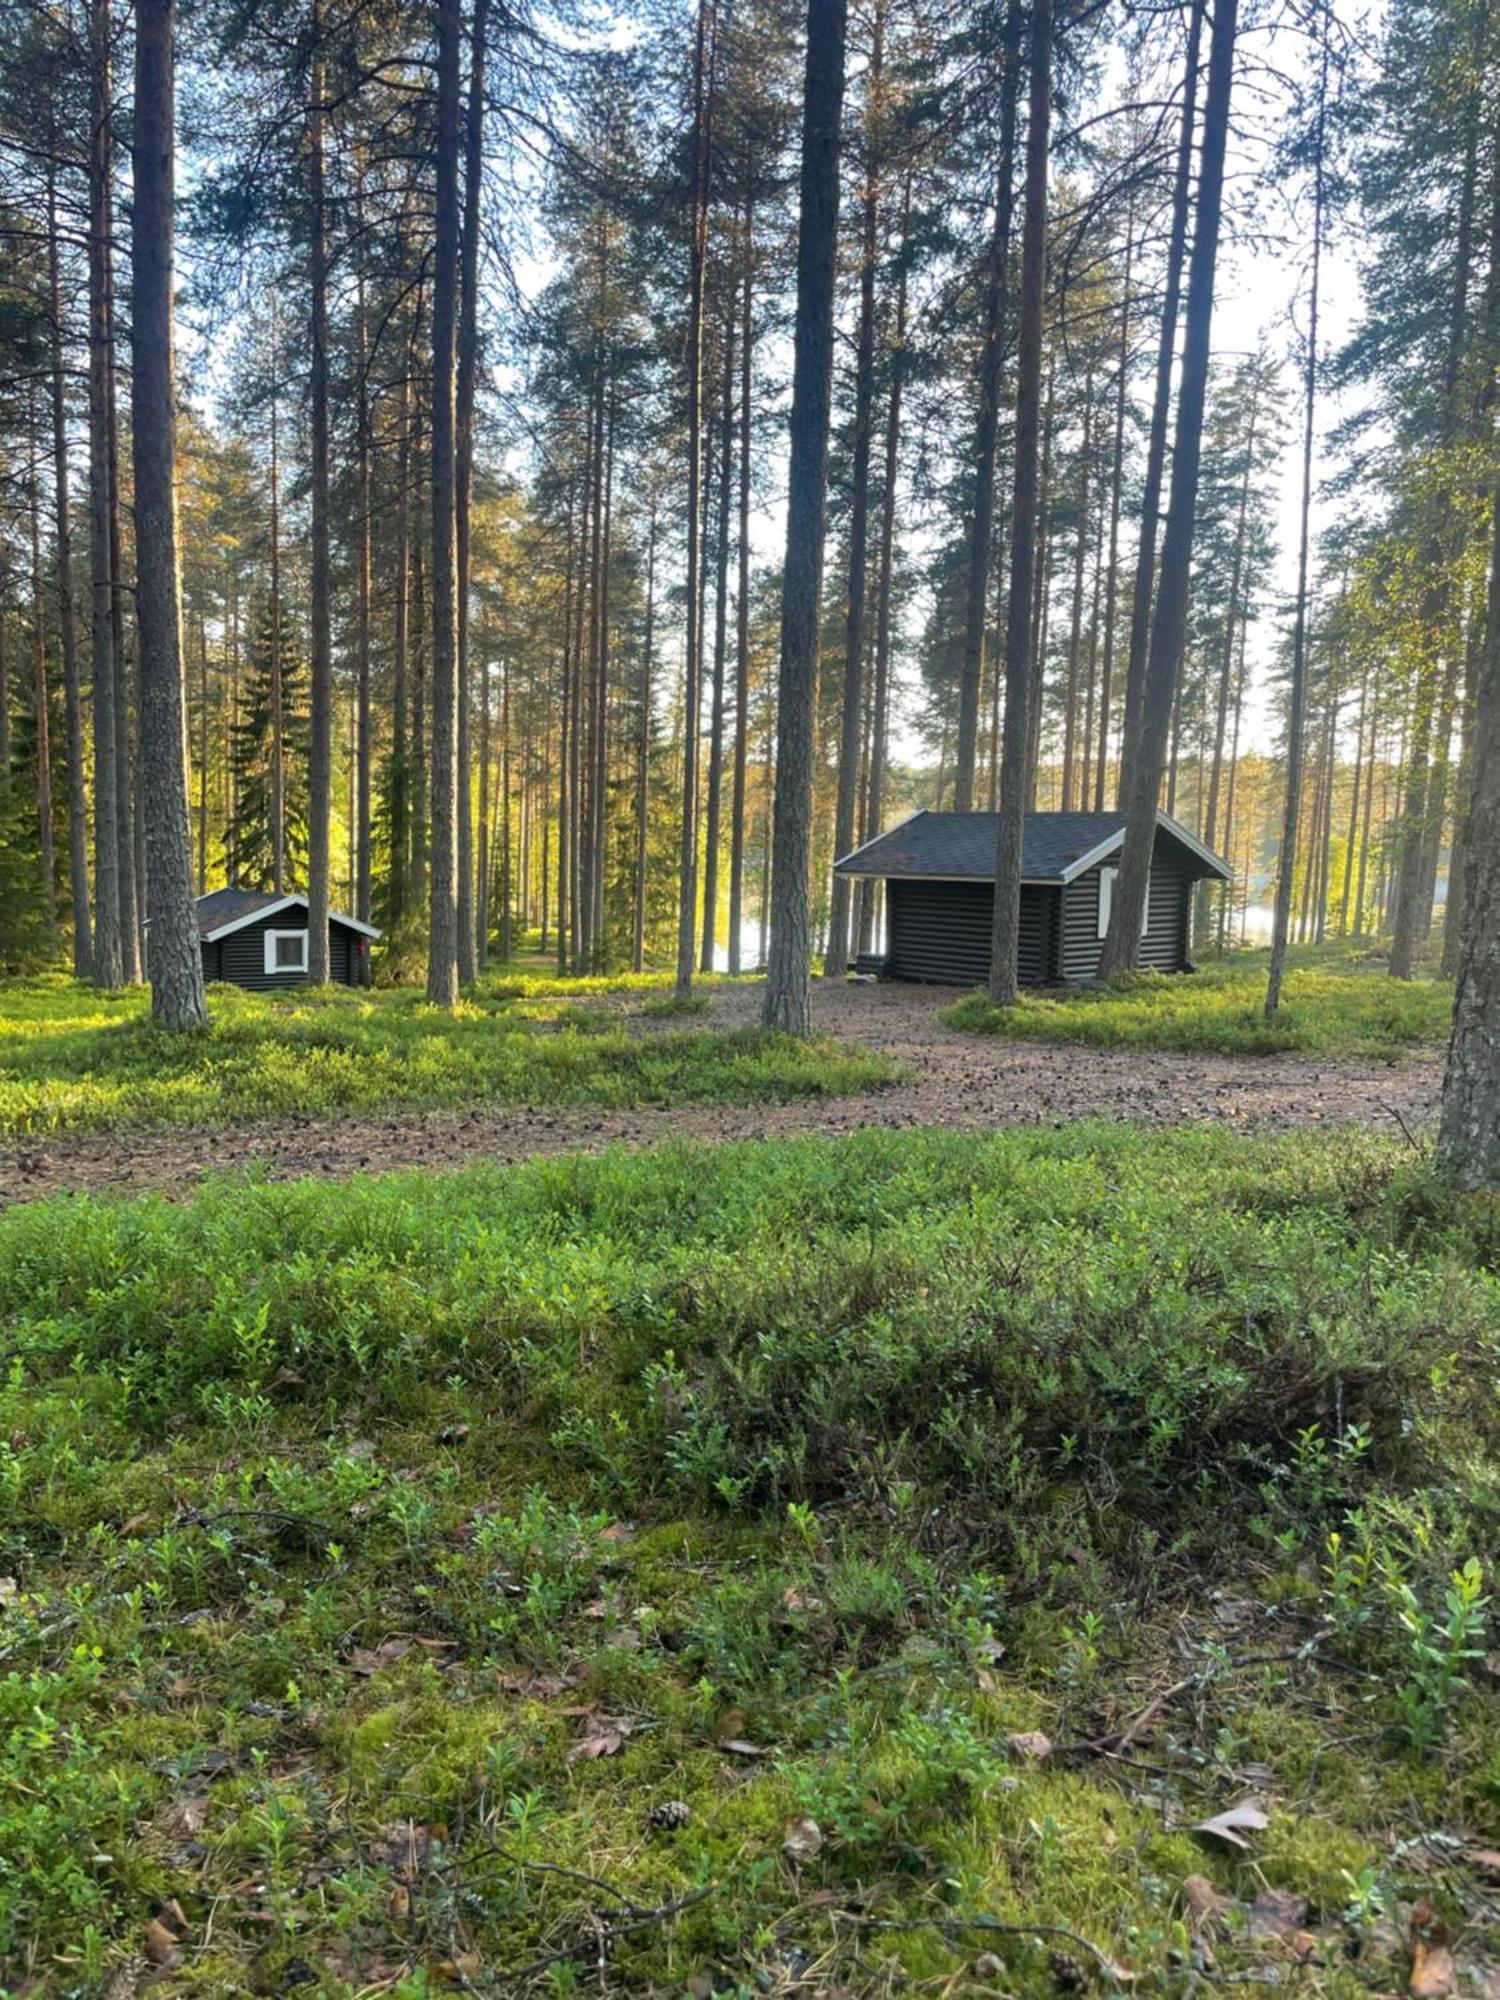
[1335, 1004]
[74, 1060]
[383, 1559]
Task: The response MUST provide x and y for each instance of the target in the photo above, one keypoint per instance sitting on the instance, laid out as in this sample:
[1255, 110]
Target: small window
[286, 951]
[1107, 901]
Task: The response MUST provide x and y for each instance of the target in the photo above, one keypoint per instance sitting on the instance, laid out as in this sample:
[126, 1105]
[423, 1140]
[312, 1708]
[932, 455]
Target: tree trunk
[1075, 622]
[742, 603]
[132, 868]
[364, 734]
[67, 625]
[687, 905]
[1015, 750]
[278, 717]
[442, 941]
[788, 1002]
[836, 962]
[715, 792]
[109, 969]
[1116, 484]
[468, 375]
[41, 694]
[1468, 1142]
[986, 430]
[176, 960]
[1161, 403]
[643, 755]
[320, 758]
[1169, 614]
[881, 704]
[1297, 694]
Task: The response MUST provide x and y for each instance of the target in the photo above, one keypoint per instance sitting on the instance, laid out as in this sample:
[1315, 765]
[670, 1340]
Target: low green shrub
[1331, 1007]
[75, 1060]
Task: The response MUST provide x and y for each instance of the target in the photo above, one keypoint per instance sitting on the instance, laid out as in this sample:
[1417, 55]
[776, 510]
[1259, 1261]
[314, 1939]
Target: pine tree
[250, 841]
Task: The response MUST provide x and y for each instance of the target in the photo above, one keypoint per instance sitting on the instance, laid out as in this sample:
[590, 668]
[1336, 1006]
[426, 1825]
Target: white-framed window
[1107, 901]
[286, 952]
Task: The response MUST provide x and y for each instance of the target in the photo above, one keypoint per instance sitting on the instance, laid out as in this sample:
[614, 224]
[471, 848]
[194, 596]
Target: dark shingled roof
[227, 906]
[956, 845]
[236, 906]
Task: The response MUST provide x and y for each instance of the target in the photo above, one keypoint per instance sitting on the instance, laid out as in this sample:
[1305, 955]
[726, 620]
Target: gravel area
[966, 1081]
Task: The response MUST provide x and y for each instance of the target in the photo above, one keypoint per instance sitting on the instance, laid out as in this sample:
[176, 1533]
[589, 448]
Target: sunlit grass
[1334, 1003]
[73, 1060]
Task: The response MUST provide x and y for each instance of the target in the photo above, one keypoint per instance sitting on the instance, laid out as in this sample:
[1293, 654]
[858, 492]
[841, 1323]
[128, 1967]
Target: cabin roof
[224, 911]
[1057, 847]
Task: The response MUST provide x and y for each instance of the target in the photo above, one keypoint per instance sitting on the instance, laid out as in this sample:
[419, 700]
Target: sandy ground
[959, 1080]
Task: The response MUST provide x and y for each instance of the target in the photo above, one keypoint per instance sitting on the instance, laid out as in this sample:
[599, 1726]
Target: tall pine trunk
[1161, 404]
[687, 899]
[176, 960]
[320, 758]
[442, 939]
[987, 425]
[846, 803]
[67, 623]
[109, 967]
[1297, 694]
[1015, 750]
[742, 602]
[468, 375]
[1169, 613]
[788, 1001]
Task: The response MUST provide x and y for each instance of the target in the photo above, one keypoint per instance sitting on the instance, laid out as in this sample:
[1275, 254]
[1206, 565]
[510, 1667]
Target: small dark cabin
[939, 870]
[255, 938]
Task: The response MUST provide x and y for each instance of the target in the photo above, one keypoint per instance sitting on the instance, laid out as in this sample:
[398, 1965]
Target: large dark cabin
[939, 870]
[255, 938]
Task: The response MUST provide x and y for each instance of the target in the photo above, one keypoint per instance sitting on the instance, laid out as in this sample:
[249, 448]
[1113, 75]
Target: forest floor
[946, 1078]
[1042, 1564]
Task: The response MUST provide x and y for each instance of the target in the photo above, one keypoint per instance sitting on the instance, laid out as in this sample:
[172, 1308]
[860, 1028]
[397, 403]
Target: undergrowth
[484, 1581]
[1334, 1005]
[72, 1059]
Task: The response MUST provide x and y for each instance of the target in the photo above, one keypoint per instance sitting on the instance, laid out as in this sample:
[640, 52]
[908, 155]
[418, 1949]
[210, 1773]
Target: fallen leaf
[1203, 1900]
[370, 1659]
[1249, 1816]
[161, 1945]
[1431, 1960]
[606, 1744]
[1487, 1862]
[605, 1741]
[1030, 1743]
[1278, 1913]
[186, 1817]
[801, 1840]
[795, 1600]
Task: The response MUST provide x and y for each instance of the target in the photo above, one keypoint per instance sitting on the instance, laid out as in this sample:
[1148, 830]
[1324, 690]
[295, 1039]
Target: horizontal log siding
[940, 933]
[1164, 946]
[242, 956]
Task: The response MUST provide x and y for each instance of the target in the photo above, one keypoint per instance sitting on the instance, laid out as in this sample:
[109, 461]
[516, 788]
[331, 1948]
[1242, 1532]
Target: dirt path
[959, 1080]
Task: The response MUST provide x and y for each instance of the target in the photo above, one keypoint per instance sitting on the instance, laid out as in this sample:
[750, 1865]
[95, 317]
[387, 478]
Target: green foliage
[72, 1059]
[397, 1509]
[23, 916]
[275, 684]
[1332, 1006]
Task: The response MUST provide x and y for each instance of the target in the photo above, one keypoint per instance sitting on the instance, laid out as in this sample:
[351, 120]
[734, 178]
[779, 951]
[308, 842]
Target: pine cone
[669, 1815]
[1068, 1974]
